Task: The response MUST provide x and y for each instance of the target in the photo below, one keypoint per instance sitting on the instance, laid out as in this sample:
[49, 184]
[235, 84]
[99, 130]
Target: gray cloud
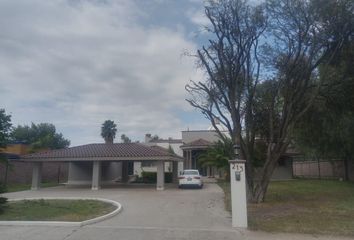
[77, 63]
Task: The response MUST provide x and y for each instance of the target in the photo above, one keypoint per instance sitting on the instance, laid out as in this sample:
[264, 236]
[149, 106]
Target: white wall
[138, 169]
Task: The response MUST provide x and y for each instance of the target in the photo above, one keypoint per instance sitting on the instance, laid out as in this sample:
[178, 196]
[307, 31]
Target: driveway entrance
[146, 212]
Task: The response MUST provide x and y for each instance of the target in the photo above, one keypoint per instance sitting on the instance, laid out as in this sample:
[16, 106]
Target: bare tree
[233, 90]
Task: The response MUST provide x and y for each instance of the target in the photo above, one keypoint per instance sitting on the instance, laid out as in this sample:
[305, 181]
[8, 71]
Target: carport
[93, 163]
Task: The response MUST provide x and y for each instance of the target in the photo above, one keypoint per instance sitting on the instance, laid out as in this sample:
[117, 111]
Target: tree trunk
[261, 187]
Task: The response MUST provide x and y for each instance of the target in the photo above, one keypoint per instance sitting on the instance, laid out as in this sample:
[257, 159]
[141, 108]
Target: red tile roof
[102, 151]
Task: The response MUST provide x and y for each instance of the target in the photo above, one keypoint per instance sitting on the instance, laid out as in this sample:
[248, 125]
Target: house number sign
[237, 167]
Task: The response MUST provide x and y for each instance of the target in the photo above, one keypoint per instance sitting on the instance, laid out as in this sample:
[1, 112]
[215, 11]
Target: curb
[62, 223]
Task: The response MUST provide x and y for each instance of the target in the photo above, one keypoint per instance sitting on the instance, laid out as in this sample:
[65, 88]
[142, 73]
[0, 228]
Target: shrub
[150, 177]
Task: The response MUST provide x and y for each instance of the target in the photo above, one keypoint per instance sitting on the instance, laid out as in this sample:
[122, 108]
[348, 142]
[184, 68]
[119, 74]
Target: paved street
[147, 214]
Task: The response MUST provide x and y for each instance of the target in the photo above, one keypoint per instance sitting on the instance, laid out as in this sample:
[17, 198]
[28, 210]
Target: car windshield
[190, 172]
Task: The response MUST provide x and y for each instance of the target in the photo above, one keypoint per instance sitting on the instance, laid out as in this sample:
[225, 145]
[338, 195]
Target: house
[189, 147]
[96, 164]
[111, 163]
[195, 142]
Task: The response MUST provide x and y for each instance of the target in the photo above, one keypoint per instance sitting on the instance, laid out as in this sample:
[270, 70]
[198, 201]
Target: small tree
[125, 139]
[40, 136]
[170, 149]
[5, 127]
[218, 156]
[108, 131]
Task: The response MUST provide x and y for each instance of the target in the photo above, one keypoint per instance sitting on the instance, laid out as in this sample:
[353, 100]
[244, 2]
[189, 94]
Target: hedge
[150, 177]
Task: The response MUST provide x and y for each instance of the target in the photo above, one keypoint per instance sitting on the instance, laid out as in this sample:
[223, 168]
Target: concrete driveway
[147, 214]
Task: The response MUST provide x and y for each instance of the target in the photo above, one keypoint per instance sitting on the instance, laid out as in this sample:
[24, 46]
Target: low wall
[319, 169]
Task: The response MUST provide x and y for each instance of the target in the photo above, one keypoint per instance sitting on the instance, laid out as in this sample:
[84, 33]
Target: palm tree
[108, 131]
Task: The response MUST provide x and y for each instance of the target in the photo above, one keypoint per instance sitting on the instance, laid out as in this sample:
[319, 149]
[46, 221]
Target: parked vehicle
[190, 178]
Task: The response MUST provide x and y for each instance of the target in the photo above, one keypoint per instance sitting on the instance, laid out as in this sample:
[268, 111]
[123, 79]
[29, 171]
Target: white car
[190, 177]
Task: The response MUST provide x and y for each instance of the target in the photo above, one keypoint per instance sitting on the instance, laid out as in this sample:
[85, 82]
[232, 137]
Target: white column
[36, 175]
[96, 175]
[160, 181]
[238, 193]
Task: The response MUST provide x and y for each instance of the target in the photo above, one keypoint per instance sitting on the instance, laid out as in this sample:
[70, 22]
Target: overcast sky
[76, 63]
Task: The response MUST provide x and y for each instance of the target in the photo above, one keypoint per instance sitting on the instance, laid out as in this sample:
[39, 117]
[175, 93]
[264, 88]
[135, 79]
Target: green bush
[3, 200]
[150, 177]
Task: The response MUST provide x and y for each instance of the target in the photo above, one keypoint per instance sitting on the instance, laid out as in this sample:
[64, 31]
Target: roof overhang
[167, 158]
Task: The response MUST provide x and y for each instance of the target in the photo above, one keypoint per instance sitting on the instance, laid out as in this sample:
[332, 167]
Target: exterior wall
[282, 173]
[175, 146]
[51, 172]
[322, 169]
[138, 169]
[180, 167]
[111, 171]
[80, 173]
[209, 135]
[284, 169]
[21, 172]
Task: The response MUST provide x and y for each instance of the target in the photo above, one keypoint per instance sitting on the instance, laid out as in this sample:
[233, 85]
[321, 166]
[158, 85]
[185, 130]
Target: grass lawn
[55, 210]
[15, 187]
[303, 206]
